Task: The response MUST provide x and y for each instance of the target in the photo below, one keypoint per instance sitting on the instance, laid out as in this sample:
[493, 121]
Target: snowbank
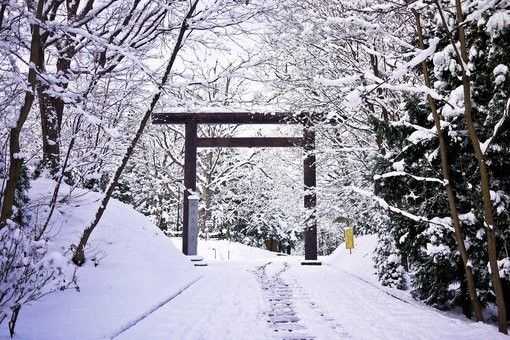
[137, 269]
[223, 250]
[360, 262]
[360, 265]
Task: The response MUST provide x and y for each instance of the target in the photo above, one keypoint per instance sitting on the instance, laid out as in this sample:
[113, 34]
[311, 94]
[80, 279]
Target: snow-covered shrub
[329, 239]
[437, 265]
[28, 270]
[388, 262]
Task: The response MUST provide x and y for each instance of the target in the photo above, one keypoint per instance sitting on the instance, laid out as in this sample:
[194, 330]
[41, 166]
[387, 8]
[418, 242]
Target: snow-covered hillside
[137, 269]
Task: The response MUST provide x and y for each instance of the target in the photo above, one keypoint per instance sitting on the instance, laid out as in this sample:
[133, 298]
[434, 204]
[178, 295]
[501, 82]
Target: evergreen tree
[407, 178]
[429, 249]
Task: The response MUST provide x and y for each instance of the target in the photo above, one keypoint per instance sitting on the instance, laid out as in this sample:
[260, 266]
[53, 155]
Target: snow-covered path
[292, 315]
[363, 310]
[283, 300]
[227, 303]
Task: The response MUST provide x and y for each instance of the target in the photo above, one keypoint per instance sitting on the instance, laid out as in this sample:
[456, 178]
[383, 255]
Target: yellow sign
[349, 238]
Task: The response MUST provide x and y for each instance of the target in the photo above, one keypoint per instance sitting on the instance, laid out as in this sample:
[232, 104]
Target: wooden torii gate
[192, 142]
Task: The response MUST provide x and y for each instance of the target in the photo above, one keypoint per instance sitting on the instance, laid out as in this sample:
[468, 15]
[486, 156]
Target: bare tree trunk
[445, 167]
[52, 107]
[2, 11]
[52, 111]
[16, 160]
[484, 173]
[50, 130]
[79, 253]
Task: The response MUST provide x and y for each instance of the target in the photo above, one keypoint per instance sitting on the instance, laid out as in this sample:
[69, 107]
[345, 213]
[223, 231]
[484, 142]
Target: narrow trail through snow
[287, 302]
[282, 317]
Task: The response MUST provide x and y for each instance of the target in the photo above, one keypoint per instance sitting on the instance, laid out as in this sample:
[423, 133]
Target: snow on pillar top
[194, 196]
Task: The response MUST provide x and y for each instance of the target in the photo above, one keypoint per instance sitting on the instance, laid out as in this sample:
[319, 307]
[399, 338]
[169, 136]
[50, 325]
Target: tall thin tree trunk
[484, 178]
[79, 253]
[445, 167]
[15, 155]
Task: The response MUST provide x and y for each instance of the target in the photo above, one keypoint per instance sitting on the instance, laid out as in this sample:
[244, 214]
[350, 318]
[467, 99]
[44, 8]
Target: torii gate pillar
[310, 200]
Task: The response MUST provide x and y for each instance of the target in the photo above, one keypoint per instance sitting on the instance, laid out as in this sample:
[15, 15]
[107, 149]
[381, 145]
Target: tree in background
[81, 70]
[206, 17]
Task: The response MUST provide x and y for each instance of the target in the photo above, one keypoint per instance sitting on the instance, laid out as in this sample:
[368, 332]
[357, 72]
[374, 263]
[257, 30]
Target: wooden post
[190, 179]
[309, 176]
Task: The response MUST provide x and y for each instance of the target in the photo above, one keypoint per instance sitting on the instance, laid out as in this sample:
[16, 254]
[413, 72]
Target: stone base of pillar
[198, 261]
[311, 263]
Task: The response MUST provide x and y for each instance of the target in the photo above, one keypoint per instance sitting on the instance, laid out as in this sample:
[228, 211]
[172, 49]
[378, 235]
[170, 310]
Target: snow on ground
[138, 269]
[144, 289]
[224, 250]
[277, 298]
[226, 304]
[350, 293]
[359, 261]
[363, 311]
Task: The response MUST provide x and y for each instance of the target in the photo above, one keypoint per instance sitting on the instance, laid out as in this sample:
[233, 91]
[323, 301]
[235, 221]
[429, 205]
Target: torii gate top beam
[302, 118]
[220, 118]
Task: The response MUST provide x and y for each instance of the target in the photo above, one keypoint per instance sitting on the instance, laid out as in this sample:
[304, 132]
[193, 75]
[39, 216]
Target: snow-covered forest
[409, 105]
